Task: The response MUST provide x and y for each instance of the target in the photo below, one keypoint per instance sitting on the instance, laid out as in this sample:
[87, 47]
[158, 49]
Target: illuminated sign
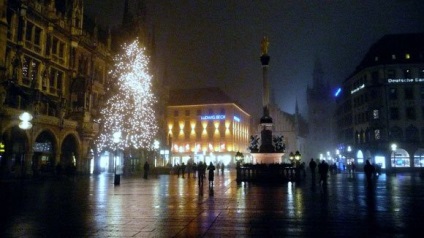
[357, 89]
[415, 80]
[236, 119]
[212, 117]
[339, 90]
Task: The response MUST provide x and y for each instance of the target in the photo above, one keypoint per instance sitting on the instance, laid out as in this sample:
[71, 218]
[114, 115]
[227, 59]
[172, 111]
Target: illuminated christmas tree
[129, 109]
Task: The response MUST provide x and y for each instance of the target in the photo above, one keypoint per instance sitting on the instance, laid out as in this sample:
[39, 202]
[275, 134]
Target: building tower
[320, 114]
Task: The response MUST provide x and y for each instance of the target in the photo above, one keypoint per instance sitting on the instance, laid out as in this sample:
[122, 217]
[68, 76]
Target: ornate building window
[33, 35]
[56, 81]
[30, 71]
[58, 51]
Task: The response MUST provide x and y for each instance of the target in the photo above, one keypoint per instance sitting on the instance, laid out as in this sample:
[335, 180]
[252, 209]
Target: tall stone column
[266, 120]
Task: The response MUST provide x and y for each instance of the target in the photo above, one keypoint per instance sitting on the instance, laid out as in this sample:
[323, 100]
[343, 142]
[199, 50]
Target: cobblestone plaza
[170, 206]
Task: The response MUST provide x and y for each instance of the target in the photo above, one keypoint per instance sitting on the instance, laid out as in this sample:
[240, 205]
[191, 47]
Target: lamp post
[291, 157]
[25, 124]
[394, 148]
[297, 157]
[116, 140]
[239, 158]
[156, 146]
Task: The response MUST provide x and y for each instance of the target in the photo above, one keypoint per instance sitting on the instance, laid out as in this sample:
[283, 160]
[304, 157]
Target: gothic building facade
[54, 64]
[321, 106]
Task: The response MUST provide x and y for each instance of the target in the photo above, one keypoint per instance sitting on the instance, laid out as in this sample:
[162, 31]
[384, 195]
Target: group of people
[324, 167]
[200, 168]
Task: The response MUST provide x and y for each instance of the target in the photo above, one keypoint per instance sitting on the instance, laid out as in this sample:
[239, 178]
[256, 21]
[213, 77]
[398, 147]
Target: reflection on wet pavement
[168, 206]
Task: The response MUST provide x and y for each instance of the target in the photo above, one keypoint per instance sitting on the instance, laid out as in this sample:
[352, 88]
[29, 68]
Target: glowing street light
[394, 148]
[116, 139]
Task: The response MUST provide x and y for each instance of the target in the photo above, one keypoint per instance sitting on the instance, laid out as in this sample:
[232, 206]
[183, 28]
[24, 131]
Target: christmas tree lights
[129, 110]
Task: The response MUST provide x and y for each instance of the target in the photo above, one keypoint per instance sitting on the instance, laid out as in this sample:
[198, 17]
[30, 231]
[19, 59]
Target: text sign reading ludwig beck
[213, 117]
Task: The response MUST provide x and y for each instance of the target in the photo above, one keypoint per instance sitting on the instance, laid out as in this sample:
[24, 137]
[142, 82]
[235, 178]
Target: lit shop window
[375, 114]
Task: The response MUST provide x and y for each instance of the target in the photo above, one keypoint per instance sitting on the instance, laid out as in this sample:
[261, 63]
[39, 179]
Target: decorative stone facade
[54, 64]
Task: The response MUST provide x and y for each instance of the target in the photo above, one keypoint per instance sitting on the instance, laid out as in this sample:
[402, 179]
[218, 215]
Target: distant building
[292, 127]
[321, 106]
[205, 124]
[381, 105]
[54, 64]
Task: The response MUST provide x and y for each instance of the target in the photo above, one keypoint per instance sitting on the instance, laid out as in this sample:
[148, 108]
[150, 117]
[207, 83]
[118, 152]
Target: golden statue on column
[264, 45]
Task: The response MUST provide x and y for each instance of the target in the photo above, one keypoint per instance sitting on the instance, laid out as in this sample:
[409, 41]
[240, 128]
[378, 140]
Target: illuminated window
[407, 56]
[30, 71]
[375, 114]
[377, 134]
[393, 57]
[376, 59]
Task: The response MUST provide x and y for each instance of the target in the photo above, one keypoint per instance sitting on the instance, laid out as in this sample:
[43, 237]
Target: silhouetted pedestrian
[312, 167]
[183, 167]
[146, 168]
[369, 170]
[323, 172]
[222, 168]
[201, 169]
[211, 169]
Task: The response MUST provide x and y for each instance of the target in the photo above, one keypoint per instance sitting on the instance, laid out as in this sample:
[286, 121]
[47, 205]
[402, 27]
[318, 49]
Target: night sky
[217, 42]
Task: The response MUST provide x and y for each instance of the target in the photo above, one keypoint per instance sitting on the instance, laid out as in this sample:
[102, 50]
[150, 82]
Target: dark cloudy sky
[217, 42]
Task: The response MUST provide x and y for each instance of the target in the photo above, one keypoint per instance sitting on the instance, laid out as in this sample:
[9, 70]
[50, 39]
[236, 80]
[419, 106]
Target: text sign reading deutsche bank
[409, 80]
[213, 117]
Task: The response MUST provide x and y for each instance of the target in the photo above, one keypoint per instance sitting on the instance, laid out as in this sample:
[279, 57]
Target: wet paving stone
[168, 206]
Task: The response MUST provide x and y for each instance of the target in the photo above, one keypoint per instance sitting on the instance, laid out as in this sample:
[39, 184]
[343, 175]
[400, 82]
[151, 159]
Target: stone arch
[400, 158]
[45, 150]
[69, 152]
[12, 160]
[419, 157]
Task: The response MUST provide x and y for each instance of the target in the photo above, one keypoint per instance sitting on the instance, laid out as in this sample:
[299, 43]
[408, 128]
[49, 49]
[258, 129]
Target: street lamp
[239, 158]
[25, 124]
[156, 146]
[291, 157]
[394, 148]
[297, 156]
[116, 140]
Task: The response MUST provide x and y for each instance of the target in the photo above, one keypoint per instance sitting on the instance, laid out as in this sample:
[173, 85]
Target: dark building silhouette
[321, 106]
[381, 104]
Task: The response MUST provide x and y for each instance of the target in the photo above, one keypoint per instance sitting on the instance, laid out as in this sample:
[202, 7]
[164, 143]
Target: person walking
[201, 173]
[312, 167]
[211, 169]
[183, 168]
[323, 172]
[146, 168]
[369, 170]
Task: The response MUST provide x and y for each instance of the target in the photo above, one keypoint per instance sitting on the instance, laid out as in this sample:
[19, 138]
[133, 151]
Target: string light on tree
[130, 108]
